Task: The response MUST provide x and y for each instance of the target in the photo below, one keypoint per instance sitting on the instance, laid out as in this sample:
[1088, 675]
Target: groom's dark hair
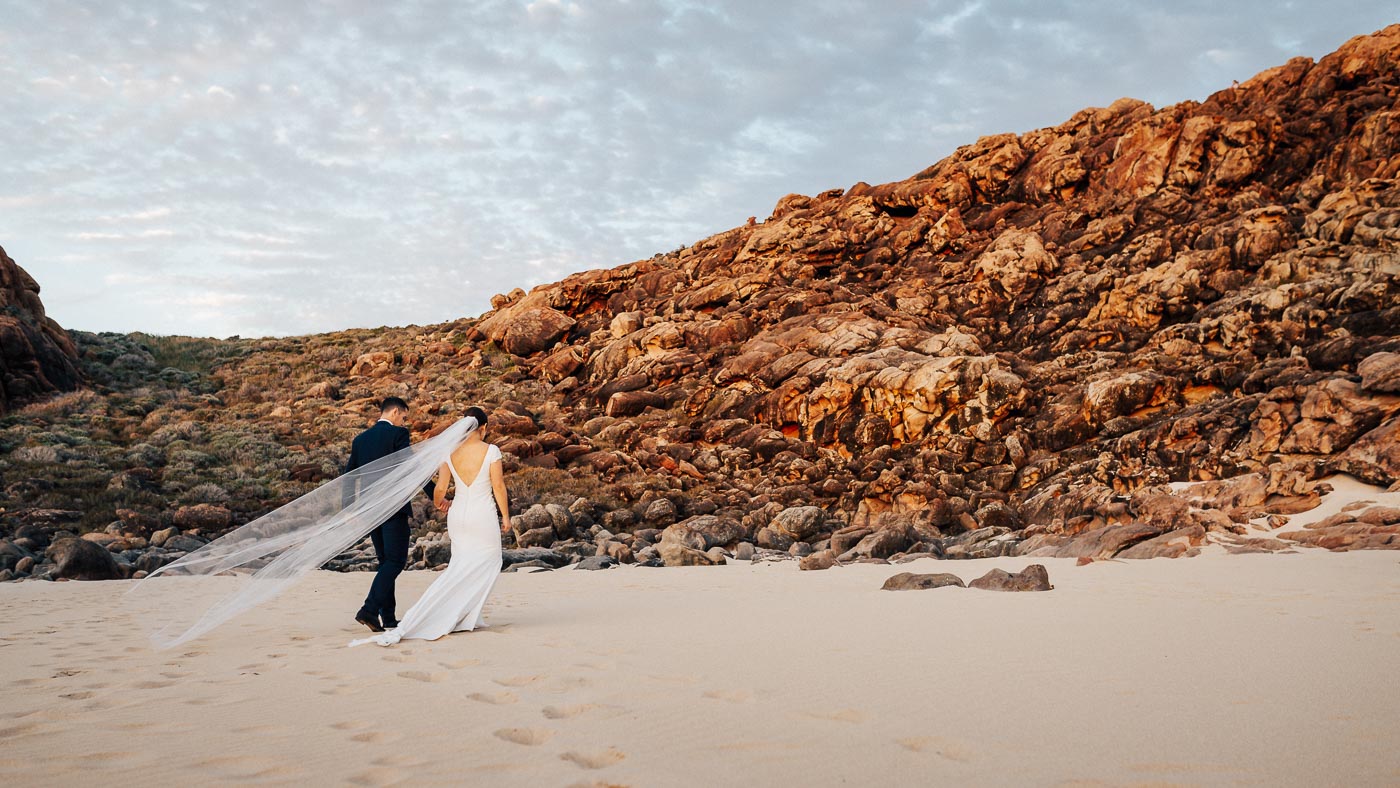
[392, 403]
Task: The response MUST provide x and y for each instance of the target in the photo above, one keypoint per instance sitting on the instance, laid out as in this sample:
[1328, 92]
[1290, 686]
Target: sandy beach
[1239, 669]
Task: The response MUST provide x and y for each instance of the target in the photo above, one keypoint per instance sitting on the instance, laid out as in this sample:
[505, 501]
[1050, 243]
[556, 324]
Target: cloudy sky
[218, 168]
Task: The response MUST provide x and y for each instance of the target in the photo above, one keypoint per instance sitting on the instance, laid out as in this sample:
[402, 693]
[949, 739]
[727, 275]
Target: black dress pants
[391, 548]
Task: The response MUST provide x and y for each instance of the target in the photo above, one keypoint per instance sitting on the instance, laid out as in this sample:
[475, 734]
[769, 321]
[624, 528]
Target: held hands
[442, 504]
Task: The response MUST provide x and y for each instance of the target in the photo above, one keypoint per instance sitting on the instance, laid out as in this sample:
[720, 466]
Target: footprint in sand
[518, 681]
[152, 684]
[494, 698]
[423, 676]
[951, 749]
[400, 761]
[243, 767]
[733, 696]
[379, 777]
[527, 736]
[397, 658]
[77, 696]
[350, 725]
[376, 737]
[566, 712]
[567, 683]
[459, 664]
[597, 760]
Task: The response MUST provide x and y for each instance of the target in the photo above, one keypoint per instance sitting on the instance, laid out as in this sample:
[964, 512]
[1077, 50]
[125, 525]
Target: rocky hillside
[1011, 351]
[36, 356]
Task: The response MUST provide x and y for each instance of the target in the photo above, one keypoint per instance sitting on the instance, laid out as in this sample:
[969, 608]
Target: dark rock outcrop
[37, 357]
[1032, 578]
[908, 581]
[80, 559]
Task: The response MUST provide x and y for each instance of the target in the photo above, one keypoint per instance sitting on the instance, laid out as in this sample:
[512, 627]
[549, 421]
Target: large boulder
[80, 559]
[800, 523]
[1380, 372]
[882, 543]
[527, 326]
[1174, 544]
[676, 554]
[908, 581]
[703, 532]
[37, 357]
[1374, 457]
[1032, 578]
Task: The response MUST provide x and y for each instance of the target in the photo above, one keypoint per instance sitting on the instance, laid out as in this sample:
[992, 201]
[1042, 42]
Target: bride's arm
[440, 488]
[498, 486]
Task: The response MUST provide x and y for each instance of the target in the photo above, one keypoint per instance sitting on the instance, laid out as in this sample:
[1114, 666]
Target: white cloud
[296, 155]
[138, 235]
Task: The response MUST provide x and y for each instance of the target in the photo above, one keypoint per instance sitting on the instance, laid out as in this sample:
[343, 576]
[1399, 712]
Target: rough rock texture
[37, 357]
[908, 581]
[1014, 351]
[80, 559]
[1032, 578]
[1374, 528]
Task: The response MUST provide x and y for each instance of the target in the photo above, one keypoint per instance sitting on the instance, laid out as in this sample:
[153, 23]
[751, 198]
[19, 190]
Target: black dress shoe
[390, 623]
[369, 621]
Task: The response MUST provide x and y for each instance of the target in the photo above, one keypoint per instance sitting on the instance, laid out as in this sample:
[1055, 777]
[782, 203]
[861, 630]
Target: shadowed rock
[908, 581]
[1032, 578]
[80, 559]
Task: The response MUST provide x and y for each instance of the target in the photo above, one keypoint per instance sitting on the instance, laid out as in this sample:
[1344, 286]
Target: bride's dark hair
[476, 413]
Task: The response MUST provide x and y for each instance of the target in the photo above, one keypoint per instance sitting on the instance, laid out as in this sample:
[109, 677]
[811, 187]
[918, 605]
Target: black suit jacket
[378, 441]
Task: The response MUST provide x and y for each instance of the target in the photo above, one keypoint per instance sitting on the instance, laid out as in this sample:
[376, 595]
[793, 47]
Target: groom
[390, 539]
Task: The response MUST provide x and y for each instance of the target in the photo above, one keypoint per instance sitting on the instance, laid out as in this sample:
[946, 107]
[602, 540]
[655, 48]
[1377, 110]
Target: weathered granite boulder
[80, 559]
[676, 554]
[1032, 578]
[37, 357]
[908, 581]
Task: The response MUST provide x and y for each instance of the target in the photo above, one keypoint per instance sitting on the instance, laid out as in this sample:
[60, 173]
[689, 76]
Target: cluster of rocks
[51, 552]
[1033, 578]
[1121, 337]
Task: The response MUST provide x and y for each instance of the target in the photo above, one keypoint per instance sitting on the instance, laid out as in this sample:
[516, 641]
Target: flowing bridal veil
[183, 600]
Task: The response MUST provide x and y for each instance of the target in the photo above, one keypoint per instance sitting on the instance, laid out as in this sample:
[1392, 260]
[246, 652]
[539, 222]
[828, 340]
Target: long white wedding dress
[454, 601]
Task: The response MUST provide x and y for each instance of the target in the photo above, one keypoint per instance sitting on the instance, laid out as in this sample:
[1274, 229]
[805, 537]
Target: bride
[252, 564]
[455, 599]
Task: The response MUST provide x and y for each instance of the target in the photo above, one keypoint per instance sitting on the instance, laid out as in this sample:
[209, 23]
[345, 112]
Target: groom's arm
[401, 441]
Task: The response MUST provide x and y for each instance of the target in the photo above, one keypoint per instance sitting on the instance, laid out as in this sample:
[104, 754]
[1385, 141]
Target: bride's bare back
[467, 461]
[468, 457]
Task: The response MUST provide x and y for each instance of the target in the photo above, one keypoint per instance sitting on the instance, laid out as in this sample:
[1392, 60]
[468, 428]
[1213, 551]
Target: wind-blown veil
[270, 553]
